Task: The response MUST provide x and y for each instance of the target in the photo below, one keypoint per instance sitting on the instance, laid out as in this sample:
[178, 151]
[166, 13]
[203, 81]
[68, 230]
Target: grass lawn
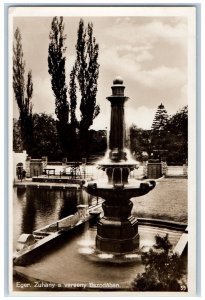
[168, 200]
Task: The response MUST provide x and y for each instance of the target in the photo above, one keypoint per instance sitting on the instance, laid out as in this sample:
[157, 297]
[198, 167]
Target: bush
[163, 269]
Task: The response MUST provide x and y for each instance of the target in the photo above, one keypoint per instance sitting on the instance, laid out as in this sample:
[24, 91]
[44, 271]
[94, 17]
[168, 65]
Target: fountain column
[117, 122]
[117, 230]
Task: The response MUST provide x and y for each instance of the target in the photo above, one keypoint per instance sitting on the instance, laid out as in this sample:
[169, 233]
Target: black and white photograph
[102, 168]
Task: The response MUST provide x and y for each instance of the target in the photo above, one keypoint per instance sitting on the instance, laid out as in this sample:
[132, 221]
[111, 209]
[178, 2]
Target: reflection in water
[45, 201]
[29, 213]
[35, 208]
[20, 193]
[69, 203]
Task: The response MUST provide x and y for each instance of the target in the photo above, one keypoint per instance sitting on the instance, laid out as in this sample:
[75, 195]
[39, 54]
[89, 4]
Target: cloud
[149, 32]
[43, 98]
[101, 122]
[69, 65]
[171, 33]
[110, 59]
[146, 51]
[136, 53]
[159, 77]
[142, 116]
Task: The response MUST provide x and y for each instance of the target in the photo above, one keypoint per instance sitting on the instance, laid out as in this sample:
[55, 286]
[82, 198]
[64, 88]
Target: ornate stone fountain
[117, 230]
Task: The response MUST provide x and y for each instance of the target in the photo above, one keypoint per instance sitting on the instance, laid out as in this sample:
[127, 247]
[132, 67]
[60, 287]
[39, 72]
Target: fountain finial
[118, 80]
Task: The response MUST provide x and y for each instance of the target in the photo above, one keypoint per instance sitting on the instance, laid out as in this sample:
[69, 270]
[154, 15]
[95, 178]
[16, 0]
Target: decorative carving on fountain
[117, 230]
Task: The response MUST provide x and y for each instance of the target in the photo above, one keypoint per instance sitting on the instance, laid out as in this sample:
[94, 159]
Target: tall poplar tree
[23, 92]
[56, 68]
[87, 74]
[74, 124]
[73, 97]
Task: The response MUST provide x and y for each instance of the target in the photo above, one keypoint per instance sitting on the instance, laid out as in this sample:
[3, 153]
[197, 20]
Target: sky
[148, 52]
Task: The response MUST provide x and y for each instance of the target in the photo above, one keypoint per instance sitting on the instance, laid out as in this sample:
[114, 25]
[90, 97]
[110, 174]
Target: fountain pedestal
[117, 230]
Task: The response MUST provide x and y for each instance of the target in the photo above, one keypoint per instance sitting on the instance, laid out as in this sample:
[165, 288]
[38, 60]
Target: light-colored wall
[18, 157]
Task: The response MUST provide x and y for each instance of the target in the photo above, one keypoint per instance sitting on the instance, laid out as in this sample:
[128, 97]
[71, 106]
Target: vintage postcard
[102, 174]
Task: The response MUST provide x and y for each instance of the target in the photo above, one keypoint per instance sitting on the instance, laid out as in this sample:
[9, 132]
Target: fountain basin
[117, 230]
[84, 266]
[119, 191]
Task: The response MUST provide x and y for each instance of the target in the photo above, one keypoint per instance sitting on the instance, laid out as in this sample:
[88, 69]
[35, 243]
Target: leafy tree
[23, 92]
[87, 74]
[179, 122]
[164, 269]
[139, 142]
[98, 141]
[172, 136]
[45, 137]
[56, 68]
[46, 141]
[177, 128]
[17, 137]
